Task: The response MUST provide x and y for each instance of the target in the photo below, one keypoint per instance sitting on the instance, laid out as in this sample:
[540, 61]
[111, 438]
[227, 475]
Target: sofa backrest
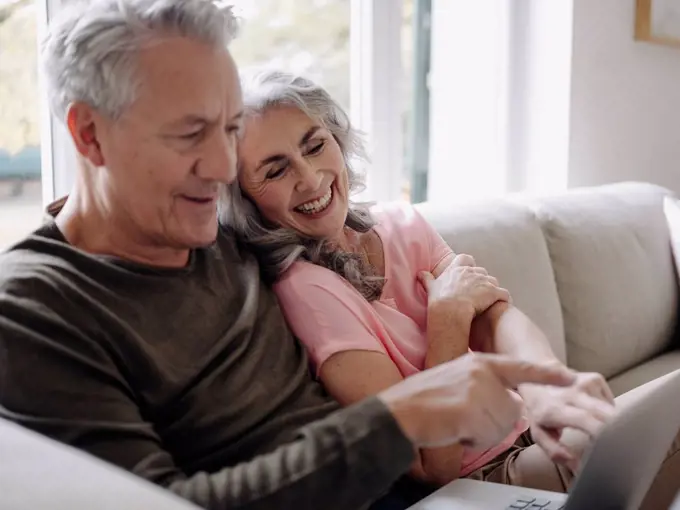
[592, 267]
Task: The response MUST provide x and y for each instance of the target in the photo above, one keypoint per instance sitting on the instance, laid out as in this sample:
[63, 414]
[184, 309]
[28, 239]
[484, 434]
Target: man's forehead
[185, 79]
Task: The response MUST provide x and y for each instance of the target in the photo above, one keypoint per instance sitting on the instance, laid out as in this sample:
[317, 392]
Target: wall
[551, 94]
[625, 100]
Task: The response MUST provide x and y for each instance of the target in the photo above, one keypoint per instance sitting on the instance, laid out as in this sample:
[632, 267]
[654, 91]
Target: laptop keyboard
[529, 503]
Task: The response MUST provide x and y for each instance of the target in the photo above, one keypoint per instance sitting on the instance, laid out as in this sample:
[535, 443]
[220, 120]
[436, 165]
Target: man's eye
[191, 136]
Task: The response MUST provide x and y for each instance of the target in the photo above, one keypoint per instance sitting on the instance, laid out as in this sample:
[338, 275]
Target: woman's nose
[309, 177]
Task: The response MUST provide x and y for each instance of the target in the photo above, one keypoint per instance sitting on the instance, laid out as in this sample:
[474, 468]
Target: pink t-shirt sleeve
[439, 249]
[419, 228]
[325, 313]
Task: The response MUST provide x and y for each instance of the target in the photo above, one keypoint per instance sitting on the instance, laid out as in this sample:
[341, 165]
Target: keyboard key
[520, 504]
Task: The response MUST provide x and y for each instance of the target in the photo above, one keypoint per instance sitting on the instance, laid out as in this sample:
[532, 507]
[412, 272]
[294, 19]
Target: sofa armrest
[38, 473]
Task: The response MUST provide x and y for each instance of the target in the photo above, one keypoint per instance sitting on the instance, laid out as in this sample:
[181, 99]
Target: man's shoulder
[32, 257]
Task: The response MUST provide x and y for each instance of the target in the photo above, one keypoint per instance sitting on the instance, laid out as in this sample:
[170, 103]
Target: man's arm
[342, 462]
[61, 383]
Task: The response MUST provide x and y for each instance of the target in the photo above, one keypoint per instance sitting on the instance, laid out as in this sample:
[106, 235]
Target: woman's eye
[275, 173]
[317, 148]
[234, 129]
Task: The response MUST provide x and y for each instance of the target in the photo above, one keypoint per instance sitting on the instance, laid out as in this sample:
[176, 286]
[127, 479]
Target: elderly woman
[375, 294]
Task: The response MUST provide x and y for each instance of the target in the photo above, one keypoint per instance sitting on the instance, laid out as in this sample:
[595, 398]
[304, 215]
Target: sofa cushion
[645, 372]
[609, 248]
[505, 238]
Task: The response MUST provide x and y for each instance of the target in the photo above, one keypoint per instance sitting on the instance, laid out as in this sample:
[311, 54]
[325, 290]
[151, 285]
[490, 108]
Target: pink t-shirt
[329, 315]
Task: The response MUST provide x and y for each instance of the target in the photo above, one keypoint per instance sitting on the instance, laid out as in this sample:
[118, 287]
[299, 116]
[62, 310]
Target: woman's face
[294, 171]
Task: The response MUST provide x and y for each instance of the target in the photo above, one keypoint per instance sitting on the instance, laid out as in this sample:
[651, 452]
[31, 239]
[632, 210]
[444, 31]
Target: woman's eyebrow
[310, 133]
[270, 159]
[278, 157]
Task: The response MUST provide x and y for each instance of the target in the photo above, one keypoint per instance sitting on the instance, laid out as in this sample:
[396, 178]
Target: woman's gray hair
[89, 53]
[275, 247]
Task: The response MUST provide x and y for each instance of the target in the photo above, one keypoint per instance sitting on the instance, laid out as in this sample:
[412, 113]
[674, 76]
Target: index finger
[513, 372]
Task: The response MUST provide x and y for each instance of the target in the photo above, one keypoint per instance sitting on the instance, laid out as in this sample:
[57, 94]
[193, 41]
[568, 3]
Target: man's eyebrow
[190, 120]
[193, 119]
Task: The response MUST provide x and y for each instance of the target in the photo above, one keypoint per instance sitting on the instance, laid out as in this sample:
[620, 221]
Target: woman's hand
[463, 285]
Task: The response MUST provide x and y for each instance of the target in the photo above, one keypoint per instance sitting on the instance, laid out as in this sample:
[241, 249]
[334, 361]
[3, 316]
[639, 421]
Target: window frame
[376, 78]
[58, 161]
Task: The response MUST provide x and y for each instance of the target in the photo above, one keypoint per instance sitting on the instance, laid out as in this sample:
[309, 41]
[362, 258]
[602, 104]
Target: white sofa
[37, 473]
[592, 267]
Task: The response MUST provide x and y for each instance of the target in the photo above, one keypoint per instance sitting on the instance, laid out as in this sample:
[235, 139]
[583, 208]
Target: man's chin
[200, 238]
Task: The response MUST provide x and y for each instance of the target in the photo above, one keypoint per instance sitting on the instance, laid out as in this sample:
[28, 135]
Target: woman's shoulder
[392, 211]
[303, 279]
[397, 217]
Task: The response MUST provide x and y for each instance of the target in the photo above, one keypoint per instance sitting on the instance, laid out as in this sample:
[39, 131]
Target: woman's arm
[504, 329]
[351, 376]
[336, 324]
[448, 333]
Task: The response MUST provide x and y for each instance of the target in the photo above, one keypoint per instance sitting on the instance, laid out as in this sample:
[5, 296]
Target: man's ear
[81, 123]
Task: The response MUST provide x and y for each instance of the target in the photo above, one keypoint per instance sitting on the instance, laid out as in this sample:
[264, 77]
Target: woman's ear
[82, 126]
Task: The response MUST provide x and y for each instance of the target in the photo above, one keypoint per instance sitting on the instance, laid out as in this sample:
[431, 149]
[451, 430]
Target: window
[20, 168]
[314, 38]
[309, 37]
[373, 56]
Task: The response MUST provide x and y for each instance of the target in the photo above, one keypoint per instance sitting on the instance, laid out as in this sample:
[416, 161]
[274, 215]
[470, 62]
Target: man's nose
[309, 177]
[219, 159]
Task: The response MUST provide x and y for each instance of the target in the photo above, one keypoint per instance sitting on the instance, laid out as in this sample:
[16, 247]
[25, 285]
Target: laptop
[616, 474]
[676, 503]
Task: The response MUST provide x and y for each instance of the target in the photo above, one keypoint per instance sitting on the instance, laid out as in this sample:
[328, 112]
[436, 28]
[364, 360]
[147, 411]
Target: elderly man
[132, 327]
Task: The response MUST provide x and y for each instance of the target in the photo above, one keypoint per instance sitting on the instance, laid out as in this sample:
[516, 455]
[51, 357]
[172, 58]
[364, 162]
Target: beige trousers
[526, 464]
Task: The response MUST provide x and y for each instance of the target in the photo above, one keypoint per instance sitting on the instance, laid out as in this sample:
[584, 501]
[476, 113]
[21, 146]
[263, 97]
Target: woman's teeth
[316, 206]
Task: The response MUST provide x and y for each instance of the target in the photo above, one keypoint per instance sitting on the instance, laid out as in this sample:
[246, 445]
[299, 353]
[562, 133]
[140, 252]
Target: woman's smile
[316, 206]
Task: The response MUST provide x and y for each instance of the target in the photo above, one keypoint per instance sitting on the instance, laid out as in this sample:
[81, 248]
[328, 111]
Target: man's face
[170, 151]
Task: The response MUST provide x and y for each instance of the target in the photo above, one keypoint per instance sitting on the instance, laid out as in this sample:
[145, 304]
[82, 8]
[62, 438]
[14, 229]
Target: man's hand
[467, 400]
[587, 405]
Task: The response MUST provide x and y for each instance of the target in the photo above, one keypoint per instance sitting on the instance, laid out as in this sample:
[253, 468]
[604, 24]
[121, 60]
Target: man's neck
[89, 225]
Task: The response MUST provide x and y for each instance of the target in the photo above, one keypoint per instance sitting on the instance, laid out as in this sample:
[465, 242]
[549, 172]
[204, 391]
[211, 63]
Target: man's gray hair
[275, 247]
[90, 50]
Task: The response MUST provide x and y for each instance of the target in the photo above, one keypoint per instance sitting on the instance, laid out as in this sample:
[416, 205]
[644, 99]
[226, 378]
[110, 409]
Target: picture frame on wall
[658, 21]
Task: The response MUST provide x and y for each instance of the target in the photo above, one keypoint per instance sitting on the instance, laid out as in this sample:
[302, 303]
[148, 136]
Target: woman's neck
[366, 244]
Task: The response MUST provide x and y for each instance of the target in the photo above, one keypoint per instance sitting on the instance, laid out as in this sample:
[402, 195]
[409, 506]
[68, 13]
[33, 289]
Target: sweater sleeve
[57, 381]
